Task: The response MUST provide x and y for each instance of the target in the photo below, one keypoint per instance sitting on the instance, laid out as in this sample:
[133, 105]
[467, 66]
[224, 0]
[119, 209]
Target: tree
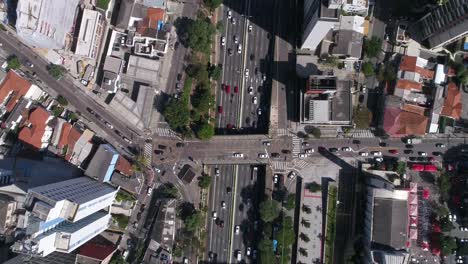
[286, 235]
[447, 245]
[462, 249]
[305, 223]
[57, 110]
[440, 210]
[446, 225]
[315, 131]
[314, 187]
[220, 26]
[303, 252]
[55, 71]
[140, 163]
[212, 4]
[304, 237]
[117, 259]
[290, 201]
[265, 246]
[306, 209]
[204, 181]
[269, 210]
[205, 131]
[401, 167]
[444, 186]
[367, 69]
[170, 192]
[200, 35]
[192, 222]
[177, 114]
[386, 73]
[215, 71]
[203, 100]
[72, 117]
[62, 101]
[372, 46]
[13, 63]
[329, 60]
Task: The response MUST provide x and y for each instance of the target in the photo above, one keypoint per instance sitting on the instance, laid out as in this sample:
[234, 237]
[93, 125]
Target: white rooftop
[354, 23]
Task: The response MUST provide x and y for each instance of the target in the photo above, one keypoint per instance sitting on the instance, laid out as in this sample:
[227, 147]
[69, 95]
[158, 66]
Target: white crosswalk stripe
[282, 132]
[361, 133]
[280, 165]
[296, 146]
[165, 132]
[148, 153]
[300, 164]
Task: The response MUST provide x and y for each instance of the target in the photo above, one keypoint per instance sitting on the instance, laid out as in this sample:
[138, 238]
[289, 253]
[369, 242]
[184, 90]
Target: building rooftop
[97, 248]
[155, 3]
[417, 65]
[112, 64]
[152, 22]
[125, 11]
[90, 34]
[401, 123]
[129, 184]
[408, 85]
[124, 166]
[390, 222]
[143, 69]
[452, 104]
[349, 43]
[103, 163]
[36, 131]
[12, 88]
[328, 13]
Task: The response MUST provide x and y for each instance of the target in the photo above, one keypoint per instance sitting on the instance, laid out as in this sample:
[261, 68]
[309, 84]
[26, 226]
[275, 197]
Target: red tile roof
[408, 85]
[32, 134]
[408, 63]
[68, 137]
[15, 86]
[400, 123]
[452, 105]
[95, 250]
[124, 166]
[153, 15]
[414, 109]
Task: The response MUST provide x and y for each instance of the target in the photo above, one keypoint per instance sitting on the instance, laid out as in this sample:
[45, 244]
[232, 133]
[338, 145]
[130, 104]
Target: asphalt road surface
[218, 237]
[244, 69]
[65, 87]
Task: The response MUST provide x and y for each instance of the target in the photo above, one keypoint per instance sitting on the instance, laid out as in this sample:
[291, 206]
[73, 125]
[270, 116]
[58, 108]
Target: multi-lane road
[244, 55]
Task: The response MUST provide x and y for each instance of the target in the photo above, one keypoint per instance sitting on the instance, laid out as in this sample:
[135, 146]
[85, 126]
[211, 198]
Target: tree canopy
[269, 210]
[13, 63]
[314, 187]
[367, 69]
[372, 47]
[55, 70]
[192, 222]
[200, 35]
[205, 131]
[203, 100]
[204, 181]
[212, 4]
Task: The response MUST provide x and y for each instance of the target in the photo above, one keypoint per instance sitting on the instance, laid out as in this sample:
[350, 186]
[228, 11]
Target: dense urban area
[233, 131]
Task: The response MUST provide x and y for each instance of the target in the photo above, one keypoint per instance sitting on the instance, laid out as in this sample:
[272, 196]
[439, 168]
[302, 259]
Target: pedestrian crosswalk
[361, 133]
[282, 132]
[165, 132]
[300, 164]
[280, 165]
[296, 146]
[148, 153]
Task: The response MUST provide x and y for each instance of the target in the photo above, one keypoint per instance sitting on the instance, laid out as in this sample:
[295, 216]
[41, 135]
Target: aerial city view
[233, 131]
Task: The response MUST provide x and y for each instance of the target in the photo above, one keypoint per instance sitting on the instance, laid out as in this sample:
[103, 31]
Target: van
[5, 66]
[239, 256]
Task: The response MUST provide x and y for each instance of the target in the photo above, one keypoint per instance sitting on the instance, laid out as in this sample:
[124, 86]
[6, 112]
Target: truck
[413, 140]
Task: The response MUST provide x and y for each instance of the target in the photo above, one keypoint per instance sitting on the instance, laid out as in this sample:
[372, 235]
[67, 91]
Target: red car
[393, 151]
[230, 126]
[228, 88]
[236, 89]
[220, 109]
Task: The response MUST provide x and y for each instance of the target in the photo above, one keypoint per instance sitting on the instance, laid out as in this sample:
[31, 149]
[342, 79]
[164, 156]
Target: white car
[156, 170]
[236, 40]
[223, 41]
[238, 155]
[378, 159]
[214, 215]
[376, 153]
[246, 72]
[347, 149]
[149, 191]
[233, 20]
[275, 178]
[422, 153]
[109, 125]
[223, 204]
[229, 14]
[248, 251]
[127, 140]
[303, 155]
[266, 143]
[217, 171]
[292, 175]
[185, 260]
[239, 256]
[308, 151]
[237, 229]
[250, 28]
[440, 145]
[363, 154]
[239, 48]
[259, 111]
[262, 155]
[255, 100]
[250, 90]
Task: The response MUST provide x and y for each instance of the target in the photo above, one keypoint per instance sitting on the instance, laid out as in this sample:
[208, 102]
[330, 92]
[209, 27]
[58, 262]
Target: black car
[408, 151]
[356, 141]
[158, 152]
[275, 155]
[409, 146]
[333, 150]
[286, 151]
[179, 144]
[230, 52]
[176, 45]
[383, 144]
[437, 153]
[162, 146]
[252, 56]
[179, 76]
[228, 189]
[412, 158]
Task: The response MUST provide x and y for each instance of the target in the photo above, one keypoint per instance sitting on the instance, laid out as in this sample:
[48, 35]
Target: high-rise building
[445, 24]
[62, 216]
[319, 18]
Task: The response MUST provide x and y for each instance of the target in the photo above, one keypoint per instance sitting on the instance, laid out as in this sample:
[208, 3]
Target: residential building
[64, 138]
[103, 163]
[319, 18]
[8, 218]
[63, 216]
[402, 119]
[111, 74]
[443, 25]
[348, 40]
[386, 231]
[452, 107]
[326, 101]
[47, 23]
[163, 235]
[124, 166]
[90, 35]
[12, 88]
[355, 7]
[82, 148]
[37, 130]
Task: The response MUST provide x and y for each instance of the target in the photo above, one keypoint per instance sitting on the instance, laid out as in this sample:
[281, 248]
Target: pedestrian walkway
[296, 146]
[280, 165]
[282, 132]
[165, 132]
[148, 153]
[300, 164]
